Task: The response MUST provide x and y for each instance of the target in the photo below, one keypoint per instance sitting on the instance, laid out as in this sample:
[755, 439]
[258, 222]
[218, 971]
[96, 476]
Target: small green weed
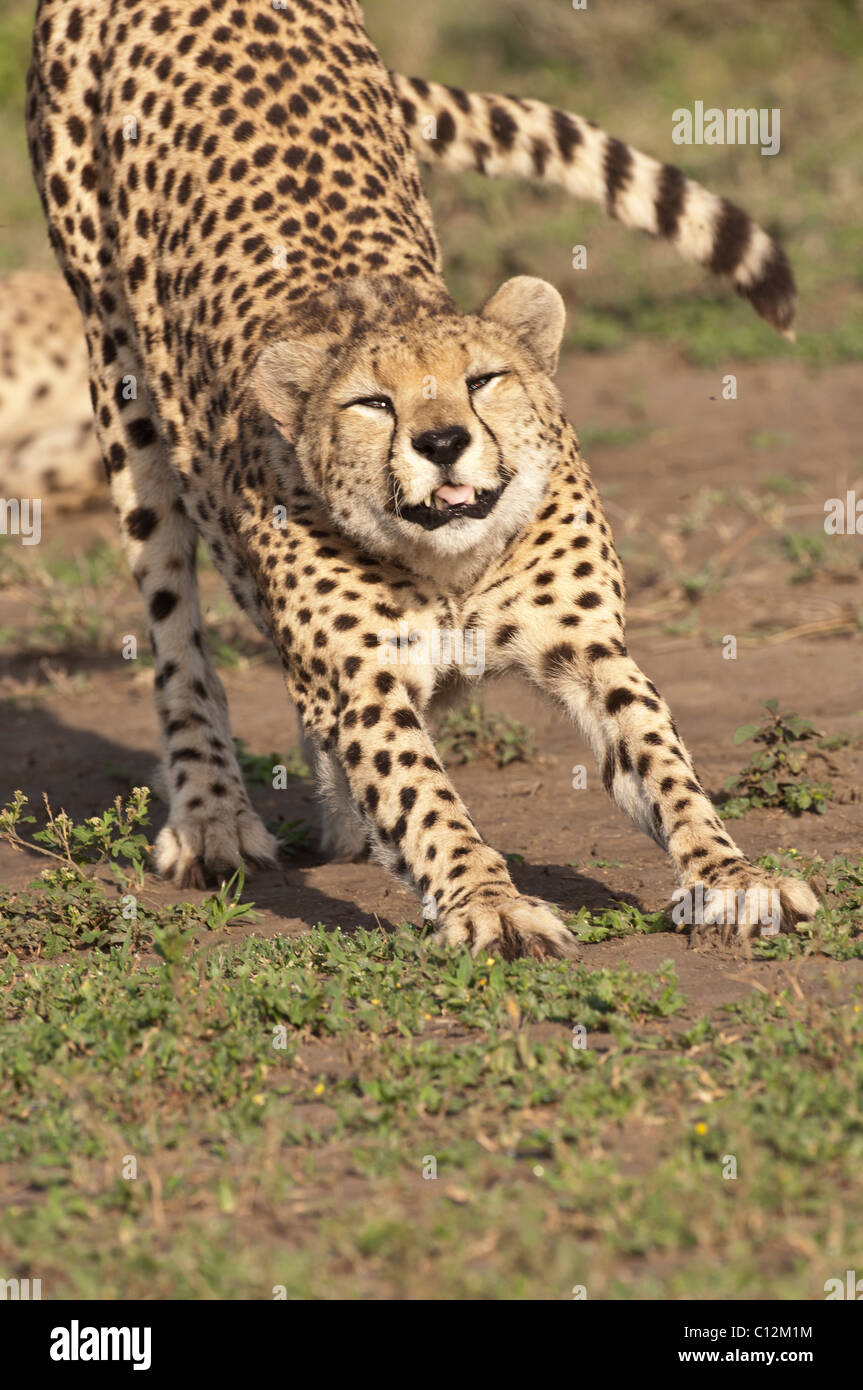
[259, 769]
[806, 552]
[774, 776]
[292, 835]
[473, 732]
[115, 835]
[224, 909]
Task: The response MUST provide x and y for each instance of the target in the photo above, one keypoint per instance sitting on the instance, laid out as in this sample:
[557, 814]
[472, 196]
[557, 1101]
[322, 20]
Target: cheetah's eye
[475, 383]
[373, 403]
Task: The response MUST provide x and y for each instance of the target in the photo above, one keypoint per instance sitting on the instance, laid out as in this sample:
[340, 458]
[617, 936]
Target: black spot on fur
[141, 523]
[162, 604]
[618, 699]
[141, 432]
[567, 135]
[503, 127]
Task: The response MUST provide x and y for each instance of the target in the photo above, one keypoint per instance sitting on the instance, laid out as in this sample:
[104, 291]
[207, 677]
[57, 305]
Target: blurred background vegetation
[626, 65]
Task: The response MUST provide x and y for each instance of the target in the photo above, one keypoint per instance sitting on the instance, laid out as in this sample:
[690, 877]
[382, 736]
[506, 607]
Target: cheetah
[48, 445]
[233, 195]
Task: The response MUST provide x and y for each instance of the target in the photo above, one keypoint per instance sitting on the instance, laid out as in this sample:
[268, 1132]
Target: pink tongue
[455, 495]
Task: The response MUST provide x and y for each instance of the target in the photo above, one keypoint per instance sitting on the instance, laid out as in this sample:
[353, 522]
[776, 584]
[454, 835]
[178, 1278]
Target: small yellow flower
[701, 1127]
[489, 960]
[320, 1088]
[376, 1001]
[426, 1015]
[258, 1099]
[483, 981]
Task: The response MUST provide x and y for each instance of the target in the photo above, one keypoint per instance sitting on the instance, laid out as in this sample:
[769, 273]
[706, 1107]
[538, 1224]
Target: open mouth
[451, 502]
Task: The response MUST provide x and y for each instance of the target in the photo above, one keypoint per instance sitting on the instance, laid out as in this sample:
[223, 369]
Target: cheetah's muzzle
[442, 513]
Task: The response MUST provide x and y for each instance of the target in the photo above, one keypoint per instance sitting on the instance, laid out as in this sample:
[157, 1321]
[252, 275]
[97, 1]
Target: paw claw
[203, 853]
[510, 928]
[752, 903]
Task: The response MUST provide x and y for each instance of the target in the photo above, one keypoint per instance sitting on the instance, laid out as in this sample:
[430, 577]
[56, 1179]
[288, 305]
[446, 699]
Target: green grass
[806, 552]
[70, 907]
[471, 731]
[23, 240]
[837, 931]
[612, 436]
[85, 603]
[356, 1115]
[292, 835]
[281, 1100]
[259, 769]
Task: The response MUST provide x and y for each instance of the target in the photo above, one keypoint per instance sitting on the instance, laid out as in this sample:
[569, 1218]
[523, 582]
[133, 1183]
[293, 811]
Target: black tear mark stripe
[392, 481]
[491, 434]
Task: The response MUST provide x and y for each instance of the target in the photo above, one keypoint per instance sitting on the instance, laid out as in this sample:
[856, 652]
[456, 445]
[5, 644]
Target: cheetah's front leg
[647, 770]
[556, 613]
[212, 828]
[419, 828]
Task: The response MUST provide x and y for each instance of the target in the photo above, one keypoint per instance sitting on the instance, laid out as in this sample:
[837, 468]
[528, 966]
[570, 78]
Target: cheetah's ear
[283, 376]
[534, 312]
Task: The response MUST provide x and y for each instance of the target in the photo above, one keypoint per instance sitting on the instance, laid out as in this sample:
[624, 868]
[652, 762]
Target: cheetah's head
[429, 435]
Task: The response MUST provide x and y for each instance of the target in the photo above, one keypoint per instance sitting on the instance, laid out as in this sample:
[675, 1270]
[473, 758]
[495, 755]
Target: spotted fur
[360, 457]
[48, 445]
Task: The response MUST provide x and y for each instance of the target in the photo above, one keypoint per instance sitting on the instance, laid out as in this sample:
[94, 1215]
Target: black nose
[444, 446]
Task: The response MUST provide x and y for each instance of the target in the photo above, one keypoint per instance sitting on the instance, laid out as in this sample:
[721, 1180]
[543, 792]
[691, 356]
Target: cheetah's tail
[508, 136]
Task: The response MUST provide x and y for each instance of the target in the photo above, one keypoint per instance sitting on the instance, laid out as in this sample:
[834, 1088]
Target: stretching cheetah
[276, 365]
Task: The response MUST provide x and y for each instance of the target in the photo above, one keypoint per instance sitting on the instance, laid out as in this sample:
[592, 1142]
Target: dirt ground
[702, 493]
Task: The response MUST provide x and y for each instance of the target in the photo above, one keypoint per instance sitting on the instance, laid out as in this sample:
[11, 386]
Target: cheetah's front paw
[747, 903]
[196, 853]
[508, 927]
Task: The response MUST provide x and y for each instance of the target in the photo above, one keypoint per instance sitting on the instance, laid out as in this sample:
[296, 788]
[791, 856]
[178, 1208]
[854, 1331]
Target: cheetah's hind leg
[342, 835]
